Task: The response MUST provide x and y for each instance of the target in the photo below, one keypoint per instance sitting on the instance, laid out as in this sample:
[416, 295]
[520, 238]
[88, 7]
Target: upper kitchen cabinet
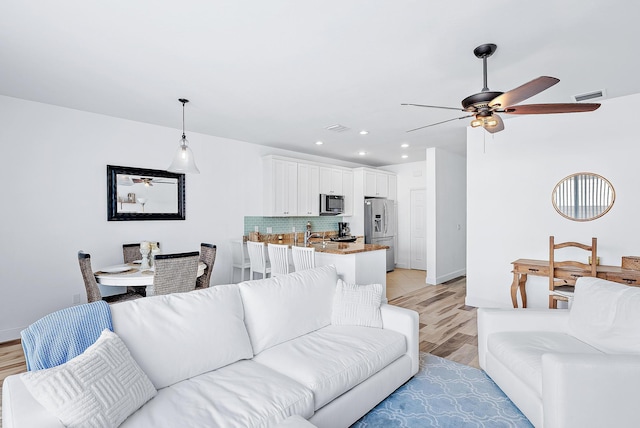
[308, 190]
[347, 189]
[331, 181]
[379, 184]
[280, 196]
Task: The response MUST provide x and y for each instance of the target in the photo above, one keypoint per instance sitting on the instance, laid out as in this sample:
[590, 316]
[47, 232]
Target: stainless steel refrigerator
[379, 226]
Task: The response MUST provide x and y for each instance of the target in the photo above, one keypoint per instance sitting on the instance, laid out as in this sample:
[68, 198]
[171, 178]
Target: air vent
[590, 95]
[337, 128]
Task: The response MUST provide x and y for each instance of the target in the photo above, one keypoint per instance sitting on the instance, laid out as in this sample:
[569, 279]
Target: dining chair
[208, 257]
[258, 259]
[131, 252]
[175, 273]
[240, 259]
[279, 259]
[562, 288]
[91, 285]
[303, 257]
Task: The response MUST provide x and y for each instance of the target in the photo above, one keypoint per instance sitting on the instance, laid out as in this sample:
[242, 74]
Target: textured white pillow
[357, 305]
[99, 388]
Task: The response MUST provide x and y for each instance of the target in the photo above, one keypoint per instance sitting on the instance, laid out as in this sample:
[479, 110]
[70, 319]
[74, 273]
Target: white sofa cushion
[177, 336]
[606, 315]
[521, 352]
[244, 394]
[357, 305]
[99, 388]
[287, 306]
[334, 359]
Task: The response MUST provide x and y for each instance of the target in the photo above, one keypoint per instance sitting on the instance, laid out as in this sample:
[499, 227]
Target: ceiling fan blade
[499, 127]
[422, 105]
[444, 121]
[552, 108]
[523, 92]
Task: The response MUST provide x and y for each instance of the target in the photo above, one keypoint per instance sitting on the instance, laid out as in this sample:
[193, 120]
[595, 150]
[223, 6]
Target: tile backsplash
[285, 224]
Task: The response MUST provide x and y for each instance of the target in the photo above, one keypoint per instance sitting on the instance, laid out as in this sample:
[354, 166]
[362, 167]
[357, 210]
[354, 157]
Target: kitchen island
[355, 262]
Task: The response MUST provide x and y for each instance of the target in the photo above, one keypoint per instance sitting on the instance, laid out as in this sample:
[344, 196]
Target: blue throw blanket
[62, 335]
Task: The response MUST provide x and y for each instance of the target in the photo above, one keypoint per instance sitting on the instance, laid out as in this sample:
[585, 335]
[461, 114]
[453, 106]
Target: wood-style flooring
[447, 326]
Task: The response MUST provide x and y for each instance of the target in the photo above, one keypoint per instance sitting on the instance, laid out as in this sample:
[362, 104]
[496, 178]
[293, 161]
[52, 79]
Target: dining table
[115, 279]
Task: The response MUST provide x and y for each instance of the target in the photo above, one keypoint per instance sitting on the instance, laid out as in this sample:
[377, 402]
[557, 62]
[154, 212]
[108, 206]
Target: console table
[524, 267]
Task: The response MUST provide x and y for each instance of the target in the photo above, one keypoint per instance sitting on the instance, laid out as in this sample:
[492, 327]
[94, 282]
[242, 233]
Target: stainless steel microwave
[331, 204]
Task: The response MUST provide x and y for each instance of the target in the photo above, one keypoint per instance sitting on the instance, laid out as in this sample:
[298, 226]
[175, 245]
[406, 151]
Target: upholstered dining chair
[91, 285]
[279, 259]
[303, 257]
[208, 257]
[175, 273]
[258, 259]
[131, 252]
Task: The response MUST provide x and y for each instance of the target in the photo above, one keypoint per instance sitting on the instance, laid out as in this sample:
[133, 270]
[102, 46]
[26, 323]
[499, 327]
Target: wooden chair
[561, 288]
[175, 273]
[208, 257]
[240, 259]
[258, 259]
[303, 257]
[91, 285]
[131, 252]
[279, 259]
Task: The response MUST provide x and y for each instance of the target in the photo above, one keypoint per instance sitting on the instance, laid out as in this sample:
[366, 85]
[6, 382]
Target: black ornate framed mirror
[144, 194]
[583, 196]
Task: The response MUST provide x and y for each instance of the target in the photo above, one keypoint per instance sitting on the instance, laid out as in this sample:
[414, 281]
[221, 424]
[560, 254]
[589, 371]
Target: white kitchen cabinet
[308, 190]
[376, 184]
[280, 198]
[347, 189]
[331, 181]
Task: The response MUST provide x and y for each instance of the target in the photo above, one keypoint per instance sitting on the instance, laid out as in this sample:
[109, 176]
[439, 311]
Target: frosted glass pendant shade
[184, 161]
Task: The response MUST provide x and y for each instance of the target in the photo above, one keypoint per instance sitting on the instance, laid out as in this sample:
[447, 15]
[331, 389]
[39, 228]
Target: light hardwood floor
[447, 326]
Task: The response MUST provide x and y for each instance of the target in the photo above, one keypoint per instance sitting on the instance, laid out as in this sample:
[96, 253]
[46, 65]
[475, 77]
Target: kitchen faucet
[308, 235]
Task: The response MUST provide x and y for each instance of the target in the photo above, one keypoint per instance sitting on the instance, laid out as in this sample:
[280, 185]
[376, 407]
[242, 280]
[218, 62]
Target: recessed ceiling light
[363, 132]
[362, 153]
[405, 156]
[319, 143]
[404, 145]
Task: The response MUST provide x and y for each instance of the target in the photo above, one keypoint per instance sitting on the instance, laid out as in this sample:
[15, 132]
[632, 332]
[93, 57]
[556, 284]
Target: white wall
[410, 176]
[446, 215]
[55, 200]
[510, 178]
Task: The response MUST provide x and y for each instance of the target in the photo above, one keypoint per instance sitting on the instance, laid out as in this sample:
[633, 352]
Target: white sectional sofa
[251, 355]
[569, 368]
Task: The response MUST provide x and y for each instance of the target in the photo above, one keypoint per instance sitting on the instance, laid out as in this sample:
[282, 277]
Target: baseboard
[10, 334]
[449, 276]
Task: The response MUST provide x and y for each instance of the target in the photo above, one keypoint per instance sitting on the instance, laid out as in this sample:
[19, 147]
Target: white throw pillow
[357, 305]
[99, 388]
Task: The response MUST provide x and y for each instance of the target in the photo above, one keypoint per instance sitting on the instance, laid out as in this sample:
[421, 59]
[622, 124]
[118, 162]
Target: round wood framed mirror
[583, 196]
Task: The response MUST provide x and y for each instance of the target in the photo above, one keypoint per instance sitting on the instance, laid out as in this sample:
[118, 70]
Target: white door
[418, 229]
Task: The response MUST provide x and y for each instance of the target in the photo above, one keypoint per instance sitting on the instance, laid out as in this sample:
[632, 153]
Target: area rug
[445, 394]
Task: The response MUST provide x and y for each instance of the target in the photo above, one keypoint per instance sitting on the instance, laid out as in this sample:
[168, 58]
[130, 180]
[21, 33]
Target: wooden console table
[524, 267]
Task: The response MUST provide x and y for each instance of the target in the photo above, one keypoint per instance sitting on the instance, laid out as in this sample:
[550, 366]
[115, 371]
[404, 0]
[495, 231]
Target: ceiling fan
[485, 105]
[148, 181]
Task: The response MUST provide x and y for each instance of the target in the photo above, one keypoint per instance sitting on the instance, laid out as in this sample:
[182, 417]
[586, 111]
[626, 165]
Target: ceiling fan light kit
[485, 105]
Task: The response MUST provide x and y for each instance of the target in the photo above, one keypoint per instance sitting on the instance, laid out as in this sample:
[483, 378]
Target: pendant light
[183, 162]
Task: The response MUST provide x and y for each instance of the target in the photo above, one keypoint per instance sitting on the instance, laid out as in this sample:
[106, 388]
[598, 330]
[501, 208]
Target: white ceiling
[279, 72]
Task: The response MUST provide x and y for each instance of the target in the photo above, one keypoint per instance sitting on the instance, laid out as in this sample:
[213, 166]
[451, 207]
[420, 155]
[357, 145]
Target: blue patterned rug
[445, 394]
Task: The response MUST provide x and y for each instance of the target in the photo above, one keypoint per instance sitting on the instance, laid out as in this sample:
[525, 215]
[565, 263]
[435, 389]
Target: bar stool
[279, 259]
[240, 257]
[258, 259]
[303, 257]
